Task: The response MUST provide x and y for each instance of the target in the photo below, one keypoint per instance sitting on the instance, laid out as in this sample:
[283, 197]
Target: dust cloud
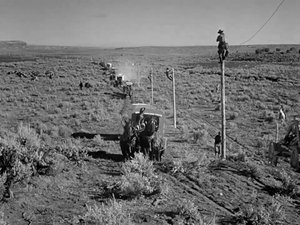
[132, 71]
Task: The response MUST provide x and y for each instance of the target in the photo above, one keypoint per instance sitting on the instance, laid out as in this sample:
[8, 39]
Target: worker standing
[282, 116]
[218, 144]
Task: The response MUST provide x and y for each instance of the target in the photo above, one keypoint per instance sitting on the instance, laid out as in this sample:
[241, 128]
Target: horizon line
[151, 46]
[138, 46]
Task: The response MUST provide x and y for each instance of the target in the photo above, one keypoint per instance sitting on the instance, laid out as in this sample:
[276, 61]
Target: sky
[125, 23]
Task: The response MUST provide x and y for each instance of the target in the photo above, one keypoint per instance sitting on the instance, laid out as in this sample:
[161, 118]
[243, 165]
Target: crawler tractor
[289, 146]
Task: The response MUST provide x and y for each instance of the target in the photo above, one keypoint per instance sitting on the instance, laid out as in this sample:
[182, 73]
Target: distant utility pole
[223, 109]
[151, 78]
[277, 131]
[174, 100]
[172, 78]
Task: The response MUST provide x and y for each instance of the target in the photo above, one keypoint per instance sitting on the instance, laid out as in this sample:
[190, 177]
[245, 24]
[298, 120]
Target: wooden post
[174, 99]
[277, 131]
[152, 102]
[223, 110]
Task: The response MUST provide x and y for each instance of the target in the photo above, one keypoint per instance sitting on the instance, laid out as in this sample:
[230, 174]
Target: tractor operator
[140, 119]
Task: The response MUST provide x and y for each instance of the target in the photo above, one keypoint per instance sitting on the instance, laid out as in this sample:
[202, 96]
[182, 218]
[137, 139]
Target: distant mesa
[13, 44]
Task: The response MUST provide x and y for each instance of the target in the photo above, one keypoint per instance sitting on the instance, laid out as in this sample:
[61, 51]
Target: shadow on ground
[106, 137]
[105, 155]
[116, 95]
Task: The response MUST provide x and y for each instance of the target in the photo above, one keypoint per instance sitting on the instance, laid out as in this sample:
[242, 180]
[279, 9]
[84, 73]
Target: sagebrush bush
[256, 212]
[112, 213]
[243, 98]
[138, 179]
[200, 134]
[269, 116]
[64, 131]
[139, 164]
[289, 185]
[98, 140]
[53, 131]
[262, 50]
[188, 164]
[21, 152]
[41, 128]
[183, 129]
[232, 126]
[72, 149]
[252, 171]
[26, 136]
[238, 157]
[177, 167]
[233, 115]
[188, 213]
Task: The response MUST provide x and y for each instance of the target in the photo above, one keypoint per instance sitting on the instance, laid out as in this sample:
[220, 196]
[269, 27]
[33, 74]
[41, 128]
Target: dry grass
[237, 157]
[288, 185]
[27, 137]
[112, 213]
[256, 212]
[188, 164]
[188, 213]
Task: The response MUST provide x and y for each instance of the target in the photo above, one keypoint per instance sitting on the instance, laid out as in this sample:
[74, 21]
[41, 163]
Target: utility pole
[174, 99]
[223, 110]
[151, 77]
[172, 78]
[277, 131]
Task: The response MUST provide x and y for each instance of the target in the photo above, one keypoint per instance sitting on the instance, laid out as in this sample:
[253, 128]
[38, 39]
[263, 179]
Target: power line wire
[264, 23]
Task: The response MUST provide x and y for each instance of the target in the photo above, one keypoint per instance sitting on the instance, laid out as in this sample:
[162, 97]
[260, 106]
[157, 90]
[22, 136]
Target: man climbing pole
[222, 46]
[223, 53]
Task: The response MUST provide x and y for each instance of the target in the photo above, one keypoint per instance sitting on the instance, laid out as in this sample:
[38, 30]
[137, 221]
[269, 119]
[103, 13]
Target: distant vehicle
[108, 65]
[127, 89]
[119, 80]
[139, 133]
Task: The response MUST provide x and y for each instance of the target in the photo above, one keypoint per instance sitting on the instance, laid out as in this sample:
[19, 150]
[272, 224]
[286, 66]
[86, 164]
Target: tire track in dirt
[107, 166]
[126, 106]
[195, 191]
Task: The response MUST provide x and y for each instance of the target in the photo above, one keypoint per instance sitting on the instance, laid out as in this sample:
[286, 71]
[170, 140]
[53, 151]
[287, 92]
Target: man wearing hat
[140, 119]
[222, 46]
